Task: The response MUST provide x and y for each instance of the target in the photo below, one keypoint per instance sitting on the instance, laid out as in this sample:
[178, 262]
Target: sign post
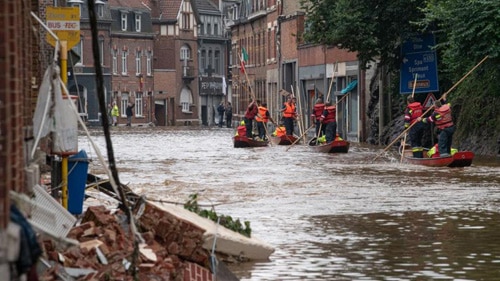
[65, 23]
[419, 59]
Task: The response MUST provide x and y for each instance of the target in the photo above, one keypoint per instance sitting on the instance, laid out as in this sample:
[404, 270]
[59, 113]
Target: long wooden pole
[447, 92]
[406, 134]
[327, 97]
[297, 140]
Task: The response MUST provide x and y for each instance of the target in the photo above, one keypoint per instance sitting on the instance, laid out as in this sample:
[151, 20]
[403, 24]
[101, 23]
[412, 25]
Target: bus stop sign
[65, 23]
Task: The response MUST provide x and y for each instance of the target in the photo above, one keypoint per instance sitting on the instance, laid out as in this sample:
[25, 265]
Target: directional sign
[419, 59]
[65, 23]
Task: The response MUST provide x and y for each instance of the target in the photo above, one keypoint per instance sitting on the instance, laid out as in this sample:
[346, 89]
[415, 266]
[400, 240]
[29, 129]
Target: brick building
[271, 31]
[175, 62]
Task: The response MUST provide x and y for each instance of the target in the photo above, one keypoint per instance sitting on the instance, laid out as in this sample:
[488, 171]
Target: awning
[349, 87]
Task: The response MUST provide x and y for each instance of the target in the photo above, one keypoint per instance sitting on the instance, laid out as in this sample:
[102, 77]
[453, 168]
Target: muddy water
[329, 216]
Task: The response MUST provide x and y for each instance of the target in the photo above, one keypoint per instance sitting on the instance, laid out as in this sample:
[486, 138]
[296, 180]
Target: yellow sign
[65, 23]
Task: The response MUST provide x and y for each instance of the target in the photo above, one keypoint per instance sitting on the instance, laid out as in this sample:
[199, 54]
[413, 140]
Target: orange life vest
[445, 119]
[416, 110]
[318, 110]
[263, 115]
[280, 131]
[289, 110]
[242, 130]
[330, 117]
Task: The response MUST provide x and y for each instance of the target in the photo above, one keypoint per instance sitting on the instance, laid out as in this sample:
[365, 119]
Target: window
[149, 67]
[203, 60]
[138, 23]
[101, 49]
[209, 28]
[186, 21]
[138, 104]
[185, 52]
[100, 10]
[217, 62]
[216, 29]
[124, 21]
[114, 53]
[186, 100]
[124, 62]
[78, 50]
[138, 65]
[124, 104]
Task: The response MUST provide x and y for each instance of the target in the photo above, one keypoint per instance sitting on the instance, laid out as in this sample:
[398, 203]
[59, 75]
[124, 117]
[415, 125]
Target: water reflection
[330, 216]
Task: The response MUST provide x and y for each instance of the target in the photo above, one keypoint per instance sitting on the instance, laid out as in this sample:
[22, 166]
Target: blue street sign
[419, 59]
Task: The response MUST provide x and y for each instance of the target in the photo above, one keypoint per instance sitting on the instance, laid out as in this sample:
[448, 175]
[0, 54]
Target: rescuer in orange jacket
[414, 110]
[443, 120]
[328, 119]
[317, 110]
[263, 116]
[289, 114]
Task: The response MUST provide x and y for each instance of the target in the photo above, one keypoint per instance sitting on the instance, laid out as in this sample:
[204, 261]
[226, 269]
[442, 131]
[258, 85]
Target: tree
[373, 28]
[467, 31]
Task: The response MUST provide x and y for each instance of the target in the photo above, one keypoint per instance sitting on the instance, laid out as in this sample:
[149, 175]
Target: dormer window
[124, 21]
[137, 22]
[100, 8]
[76, 3]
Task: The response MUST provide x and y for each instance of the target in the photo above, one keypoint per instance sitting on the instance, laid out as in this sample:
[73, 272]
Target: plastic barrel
[78, 166]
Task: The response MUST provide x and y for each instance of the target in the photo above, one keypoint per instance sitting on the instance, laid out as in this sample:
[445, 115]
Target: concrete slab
[227, 241]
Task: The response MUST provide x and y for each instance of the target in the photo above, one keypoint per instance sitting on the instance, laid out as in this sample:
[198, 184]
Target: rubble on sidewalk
[170, 251]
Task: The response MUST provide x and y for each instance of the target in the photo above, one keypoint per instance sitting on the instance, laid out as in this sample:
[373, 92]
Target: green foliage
[468, 31]
[373, 28]
[226, 221]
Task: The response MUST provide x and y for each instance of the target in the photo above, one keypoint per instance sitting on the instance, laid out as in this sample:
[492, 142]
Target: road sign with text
[418, 59]
[65, 23]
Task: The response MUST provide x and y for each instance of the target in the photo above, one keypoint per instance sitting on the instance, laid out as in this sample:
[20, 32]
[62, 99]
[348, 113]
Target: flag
[242, 69]
[244, 54]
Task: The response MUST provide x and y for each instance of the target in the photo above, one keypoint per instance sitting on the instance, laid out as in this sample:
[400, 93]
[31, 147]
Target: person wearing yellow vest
[262, 118]
[442, 118]
[115, 113]
[289, 114]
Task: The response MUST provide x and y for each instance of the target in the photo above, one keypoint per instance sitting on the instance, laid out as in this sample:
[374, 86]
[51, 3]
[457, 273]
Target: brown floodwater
[329, 216]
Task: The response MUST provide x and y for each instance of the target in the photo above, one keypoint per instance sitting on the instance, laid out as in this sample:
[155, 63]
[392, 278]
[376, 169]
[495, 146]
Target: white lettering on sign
[63, 25]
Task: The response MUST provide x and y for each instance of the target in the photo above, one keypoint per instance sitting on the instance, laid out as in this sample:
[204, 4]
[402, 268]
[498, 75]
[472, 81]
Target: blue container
[78, 166]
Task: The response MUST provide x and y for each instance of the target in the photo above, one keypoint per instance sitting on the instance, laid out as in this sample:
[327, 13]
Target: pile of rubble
[169, 248]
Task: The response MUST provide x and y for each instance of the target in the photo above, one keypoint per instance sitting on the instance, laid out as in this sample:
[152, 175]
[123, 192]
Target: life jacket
[263, 115]
[289, 110]
[280, 131]
[241, 130]
[445, 119]
[416, 110]
[331, 114]
[114, 111]
[318, 110]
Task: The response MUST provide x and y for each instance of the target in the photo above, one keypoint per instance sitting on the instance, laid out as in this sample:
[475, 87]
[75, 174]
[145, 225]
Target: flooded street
[329, 216]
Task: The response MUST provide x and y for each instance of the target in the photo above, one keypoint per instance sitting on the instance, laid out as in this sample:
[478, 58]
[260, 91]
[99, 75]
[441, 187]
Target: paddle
[297, 140]
[404, 140]
[327, 97]
[444, 95]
